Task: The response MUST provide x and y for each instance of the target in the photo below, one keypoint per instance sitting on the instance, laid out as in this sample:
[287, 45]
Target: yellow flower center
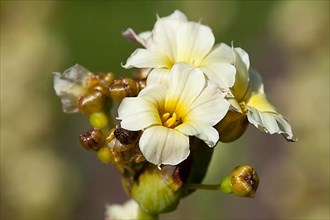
[170, 120]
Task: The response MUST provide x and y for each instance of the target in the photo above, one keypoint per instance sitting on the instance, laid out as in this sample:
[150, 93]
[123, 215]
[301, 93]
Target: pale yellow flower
[189, 106]
[175, 39]
[249, 98]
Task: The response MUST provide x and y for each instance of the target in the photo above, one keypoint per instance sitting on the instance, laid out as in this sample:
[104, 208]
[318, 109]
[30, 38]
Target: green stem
[203, 186]
[143, 215]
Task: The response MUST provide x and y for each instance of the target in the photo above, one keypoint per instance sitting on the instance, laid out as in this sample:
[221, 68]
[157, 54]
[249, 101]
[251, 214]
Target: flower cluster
[189, 95]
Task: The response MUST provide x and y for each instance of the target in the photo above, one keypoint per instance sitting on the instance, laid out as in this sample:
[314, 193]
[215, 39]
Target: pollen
[170, 120]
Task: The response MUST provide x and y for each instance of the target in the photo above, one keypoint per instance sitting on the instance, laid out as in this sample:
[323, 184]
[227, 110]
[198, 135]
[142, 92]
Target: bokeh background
[45, 174]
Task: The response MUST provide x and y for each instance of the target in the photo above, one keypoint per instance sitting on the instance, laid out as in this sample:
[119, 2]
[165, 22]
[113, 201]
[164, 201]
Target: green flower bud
[123, 87]
[105, 155]
[91, 102]
[232, 126]
[98, 120]
[154, 192]
[93, 139]
[245, 181]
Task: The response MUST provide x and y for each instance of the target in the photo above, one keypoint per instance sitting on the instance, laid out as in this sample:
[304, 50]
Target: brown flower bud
[126, 136]
[141, 84]
[122, 88]
[245, 181]
[232, 126]
[91, 102]
[93, 139]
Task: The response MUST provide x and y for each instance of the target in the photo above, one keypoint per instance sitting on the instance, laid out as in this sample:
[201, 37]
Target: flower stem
[143, 215]
[203, 186]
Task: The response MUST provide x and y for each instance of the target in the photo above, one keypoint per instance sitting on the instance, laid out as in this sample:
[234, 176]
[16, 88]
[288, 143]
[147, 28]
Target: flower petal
[159, 76]
[154, 94]
[270, 122]
[133, 37]
[201, 130]
[194, 42]
[137, 113]
[220, 53]
[185, 85]
[210, 107]
[222, 74]
[161, 145]
[242, 64]
[142, 58]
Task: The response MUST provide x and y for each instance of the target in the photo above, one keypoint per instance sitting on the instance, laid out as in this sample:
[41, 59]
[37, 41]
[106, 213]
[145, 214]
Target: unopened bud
[125, 136]
[104, 154]
[232, 126]
[98, 120]
[93, 139]
[91, 102]
[154, 193]
[245, 181]
[123, 87]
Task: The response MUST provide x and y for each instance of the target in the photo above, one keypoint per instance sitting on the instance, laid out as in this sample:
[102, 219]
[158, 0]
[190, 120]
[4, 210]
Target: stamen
[165, 116]
[169, 120]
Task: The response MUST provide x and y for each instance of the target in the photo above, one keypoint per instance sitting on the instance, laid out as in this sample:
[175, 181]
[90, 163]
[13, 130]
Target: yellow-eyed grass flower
[189, 106]
[175, 39]
[248, 98]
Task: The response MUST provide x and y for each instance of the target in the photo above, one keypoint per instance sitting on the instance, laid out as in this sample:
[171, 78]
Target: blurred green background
[45, 174]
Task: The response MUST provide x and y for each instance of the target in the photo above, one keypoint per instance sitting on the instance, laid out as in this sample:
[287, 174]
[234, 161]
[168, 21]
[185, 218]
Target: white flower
[127, 211]
[71, 84]
[175, 39]
[189, 106]
[249, 98]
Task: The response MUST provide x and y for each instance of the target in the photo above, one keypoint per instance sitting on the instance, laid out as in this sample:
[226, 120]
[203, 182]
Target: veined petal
[133, 37]
[154, 94]
[255, 97]
[220, 53]
[194, 42]
[221, 73]
[163, 38]
[136, 114]
[210, 107]
[255, 85]
[270, 122]
[260, 102]
[161, 145]
[186, 84]
[201, 130]
[176, 15]
[242, 64]
[142, 58]
[159, 76]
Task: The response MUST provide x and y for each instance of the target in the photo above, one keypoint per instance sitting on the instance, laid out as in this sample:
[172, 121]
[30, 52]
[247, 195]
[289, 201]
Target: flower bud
[232, 126]
[123, 87]
[245, 181]
[104, 154]
[125, 136]
[91, 102]
[98, 120]
[153, 191]
[93, 139]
